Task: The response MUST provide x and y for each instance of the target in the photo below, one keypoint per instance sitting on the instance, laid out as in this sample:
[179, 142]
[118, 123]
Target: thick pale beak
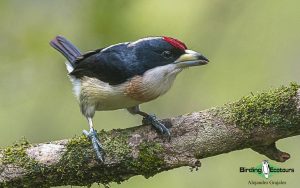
[191, 58]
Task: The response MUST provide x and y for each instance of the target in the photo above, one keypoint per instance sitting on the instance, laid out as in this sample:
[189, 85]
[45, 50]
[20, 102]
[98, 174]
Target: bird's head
[152, 52]
[265, 162]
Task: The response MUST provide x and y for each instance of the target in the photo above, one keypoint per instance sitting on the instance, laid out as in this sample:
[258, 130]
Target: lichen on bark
[276, 107]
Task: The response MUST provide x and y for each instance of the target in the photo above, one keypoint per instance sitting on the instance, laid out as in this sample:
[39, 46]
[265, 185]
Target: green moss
[71, 169]
[17, 156]
[74, 168]
[150, 160]
[116, 143]
[73, 163]
[276, 108]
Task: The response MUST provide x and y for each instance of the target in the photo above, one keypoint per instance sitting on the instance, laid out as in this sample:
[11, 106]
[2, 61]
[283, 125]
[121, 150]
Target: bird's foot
[93, 136]
[152, 119]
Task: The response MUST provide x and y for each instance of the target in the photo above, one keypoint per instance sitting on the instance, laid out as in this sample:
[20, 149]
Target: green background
[252, 45]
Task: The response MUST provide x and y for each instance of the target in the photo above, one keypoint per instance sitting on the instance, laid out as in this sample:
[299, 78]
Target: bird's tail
[66, 48]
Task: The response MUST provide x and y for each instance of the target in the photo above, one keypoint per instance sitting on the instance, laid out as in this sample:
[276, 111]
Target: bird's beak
[191, 58]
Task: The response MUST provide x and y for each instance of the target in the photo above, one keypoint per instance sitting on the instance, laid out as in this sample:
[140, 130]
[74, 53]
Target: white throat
[160, 79]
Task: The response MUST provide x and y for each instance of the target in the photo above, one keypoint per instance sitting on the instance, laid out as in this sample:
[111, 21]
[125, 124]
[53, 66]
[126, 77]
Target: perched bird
[125, 75]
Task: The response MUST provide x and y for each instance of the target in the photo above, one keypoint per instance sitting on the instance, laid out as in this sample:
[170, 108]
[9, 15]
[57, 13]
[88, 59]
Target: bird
[265, 168]
[125, 75]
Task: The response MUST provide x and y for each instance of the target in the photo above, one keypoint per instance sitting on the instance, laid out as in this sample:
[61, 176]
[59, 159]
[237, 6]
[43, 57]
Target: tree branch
[255, 121]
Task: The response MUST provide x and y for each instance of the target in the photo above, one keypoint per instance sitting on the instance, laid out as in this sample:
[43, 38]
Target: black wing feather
[107, 67]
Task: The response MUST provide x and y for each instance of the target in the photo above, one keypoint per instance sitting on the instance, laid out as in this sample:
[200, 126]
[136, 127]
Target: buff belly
[102, 96]
[96, 95]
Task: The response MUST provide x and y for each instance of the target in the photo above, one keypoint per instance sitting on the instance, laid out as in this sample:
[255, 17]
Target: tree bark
[255, 121]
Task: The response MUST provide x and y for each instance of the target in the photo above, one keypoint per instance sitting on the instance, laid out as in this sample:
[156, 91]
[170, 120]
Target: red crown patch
[176, 43]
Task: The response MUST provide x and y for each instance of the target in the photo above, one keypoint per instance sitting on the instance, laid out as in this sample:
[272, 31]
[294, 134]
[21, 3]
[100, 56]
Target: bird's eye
[167, 54]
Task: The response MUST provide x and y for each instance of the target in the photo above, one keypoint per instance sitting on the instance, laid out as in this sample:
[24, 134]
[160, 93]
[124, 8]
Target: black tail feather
[66, 48]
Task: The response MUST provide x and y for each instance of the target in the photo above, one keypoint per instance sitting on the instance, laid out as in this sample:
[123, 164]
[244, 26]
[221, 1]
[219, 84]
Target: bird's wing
[107, 67]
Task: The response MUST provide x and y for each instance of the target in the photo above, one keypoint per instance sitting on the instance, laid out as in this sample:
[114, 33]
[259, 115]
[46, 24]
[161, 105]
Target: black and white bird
[125, 75]
[265, 168]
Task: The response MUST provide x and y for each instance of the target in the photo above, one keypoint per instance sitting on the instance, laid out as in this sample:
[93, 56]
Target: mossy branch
[255, 121]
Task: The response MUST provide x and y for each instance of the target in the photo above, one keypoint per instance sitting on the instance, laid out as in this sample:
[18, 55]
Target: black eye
[167, 54]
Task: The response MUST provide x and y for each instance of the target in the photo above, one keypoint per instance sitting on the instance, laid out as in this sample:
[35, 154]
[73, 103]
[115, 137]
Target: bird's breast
[141, 90]
[152, 84]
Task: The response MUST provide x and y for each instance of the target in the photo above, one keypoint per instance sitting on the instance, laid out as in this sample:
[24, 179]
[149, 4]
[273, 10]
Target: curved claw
[151, 119]
[93, 136]
[165, 129]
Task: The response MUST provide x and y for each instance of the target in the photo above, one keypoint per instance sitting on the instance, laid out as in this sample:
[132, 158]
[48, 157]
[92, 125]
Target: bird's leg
[151, 119]
[93, 136]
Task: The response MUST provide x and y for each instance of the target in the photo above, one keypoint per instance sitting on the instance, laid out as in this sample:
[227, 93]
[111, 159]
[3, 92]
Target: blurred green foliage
[252, 46]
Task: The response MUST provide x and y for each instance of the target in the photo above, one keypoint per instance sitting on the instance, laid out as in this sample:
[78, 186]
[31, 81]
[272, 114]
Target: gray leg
[150, 119]
[93, 136]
